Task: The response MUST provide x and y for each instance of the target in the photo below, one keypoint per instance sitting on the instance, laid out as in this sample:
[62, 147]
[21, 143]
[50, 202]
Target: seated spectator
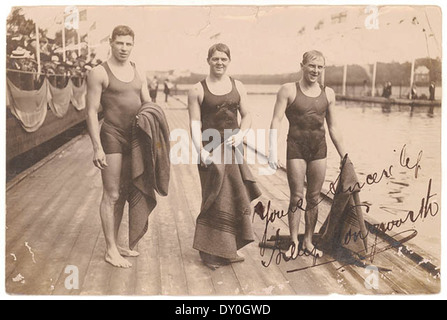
[20, 59]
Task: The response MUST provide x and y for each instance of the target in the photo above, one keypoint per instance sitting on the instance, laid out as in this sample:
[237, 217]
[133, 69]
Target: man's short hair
[311, 55]
[219, 47]
[122, 31]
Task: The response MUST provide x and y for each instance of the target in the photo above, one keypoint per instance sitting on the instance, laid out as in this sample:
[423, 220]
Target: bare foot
[293, 251]
[116, 260]
[127, 252]
[309, 248]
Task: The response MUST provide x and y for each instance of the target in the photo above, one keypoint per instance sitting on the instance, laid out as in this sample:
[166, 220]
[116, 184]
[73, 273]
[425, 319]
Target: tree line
[396, 73]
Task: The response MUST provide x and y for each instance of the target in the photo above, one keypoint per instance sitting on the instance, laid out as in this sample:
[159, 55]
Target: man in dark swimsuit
[306, 104]
[224, 223]
[120, 90]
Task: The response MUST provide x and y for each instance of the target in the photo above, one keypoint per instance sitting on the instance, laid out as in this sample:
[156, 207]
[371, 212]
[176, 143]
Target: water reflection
[386, 107]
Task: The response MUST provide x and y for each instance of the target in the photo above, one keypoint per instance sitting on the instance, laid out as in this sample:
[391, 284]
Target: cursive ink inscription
[371, 179]
[405, 161]
[428, 207]
[269, 216]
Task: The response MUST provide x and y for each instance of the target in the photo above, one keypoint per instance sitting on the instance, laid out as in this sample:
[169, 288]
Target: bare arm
[331, 121]
[194, 99]
[95, 82]
[245, 117]
[282, 100]
[145, 97]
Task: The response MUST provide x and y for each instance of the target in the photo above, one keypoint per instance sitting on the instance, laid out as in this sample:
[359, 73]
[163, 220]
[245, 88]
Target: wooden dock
[54, 237]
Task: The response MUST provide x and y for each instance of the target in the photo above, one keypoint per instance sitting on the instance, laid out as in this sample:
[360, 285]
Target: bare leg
[316, 171]
[111, 209]
[119, 207]
[296, 170]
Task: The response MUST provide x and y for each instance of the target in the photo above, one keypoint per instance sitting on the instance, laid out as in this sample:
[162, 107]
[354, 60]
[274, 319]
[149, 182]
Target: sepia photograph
[260, 150]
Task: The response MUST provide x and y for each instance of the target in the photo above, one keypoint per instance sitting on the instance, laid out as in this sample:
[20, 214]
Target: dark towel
[224, 223]
[345, 217]
[150, 167]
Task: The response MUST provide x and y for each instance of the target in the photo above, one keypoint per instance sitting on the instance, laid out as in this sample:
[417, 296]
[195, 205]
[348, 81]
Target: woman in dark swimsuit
[306, 105]
[223, 225]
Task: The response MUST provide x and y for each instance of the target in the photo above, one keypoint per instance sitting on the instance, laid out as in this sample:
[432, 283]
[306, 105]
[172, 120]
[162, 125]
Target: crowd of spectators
[22, 66]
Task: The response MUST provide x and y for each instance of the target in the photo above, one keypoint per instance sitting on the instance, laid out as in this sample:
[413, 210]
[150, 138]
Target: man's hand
[235, 140]
[99, 159]
[205, 158]
[273, 162]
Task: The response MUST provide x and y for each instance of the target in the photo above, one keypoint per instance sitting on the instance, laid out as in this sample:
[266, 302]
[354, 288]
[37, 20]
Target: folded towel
[345, 216]
[150, 167]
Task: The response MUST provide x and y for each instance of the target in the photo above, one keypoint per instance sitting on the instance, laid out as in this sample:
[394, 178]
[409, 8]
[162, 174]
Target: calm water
[374, 138]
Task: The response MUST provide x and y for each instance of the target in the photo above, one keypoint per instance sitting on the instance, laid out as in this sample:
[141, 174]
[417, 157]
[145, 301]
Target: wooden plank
[46, 181]
[43, 203]
[410, 277]
[148, 281]
[82, 250]
[57, 212]
[275, 282]
[98, 273]
[122, 281]
[198, 277]
[224, 279]
[51, 248]
[172, 273]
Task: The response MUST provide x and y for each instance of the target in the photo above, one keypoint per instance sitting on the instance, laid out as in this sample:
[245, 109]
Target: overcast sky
[263, 39]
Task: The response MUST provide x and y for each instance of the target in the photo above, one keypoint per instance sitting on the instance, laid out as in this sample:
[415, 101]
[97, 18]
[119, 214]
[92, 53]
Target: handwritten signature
[428, 207]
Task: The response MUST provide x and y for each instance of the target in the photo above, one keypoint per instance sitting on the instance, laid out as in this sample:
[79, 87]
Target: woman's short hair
[312, 55]
[219, 47]
[122, 31]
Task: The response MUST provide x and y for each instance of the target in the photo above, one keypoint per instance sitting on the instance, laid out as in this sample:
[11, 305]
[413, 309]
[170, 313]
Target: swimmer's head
[312, 55]
[122, 31]
[219, 47]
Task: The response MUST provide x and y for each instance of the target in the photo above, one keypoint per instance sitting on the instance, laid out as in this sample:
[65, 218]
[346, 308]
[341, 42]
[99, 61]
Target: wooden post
[64, 56]
[412, 78]
[39, 67]
[79, 42]
[373, 89]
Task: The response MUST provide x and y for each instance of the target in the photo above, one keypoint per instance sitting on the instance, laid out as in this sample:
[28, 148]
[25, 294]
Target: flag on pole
[83, 15]
[215, 37]
[319, 25]
[93, 26]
